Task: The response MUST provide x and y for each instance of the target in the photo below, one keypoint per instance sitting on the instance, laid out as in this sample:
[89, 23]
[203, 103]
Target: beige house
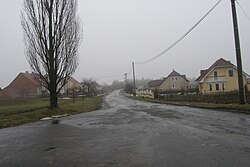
[173, 82]
[72, 84]
[222, 76]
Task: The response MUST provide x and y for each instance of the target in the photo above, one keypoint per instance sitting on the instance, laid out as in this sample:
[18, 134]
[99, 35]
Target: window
[173, 86]
[172, 79]
[176, 78]
[217, 86]
[210, 87]
[215, 73]
[230, 73]
[223, 86]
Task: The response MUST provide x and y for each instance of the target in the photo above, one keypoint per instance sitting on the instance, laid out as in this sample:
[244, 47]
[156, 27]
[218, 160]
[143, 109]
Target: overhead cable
[182, 37]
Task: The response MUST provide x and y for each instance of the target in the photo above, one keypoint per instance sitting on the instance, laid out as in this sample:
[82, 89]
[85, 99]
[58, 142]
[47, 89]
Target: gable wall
[229, 83]
[174, 83]
[21, 87]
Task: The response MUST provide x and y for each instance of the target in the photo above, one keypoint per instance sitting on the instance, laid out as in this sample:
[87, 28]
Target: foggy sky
[118, 32]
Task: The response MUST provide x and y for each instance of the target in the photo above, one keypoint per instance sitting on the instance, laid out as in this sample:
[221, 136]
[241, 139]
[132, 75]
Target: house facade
[24, 85]
[71, 85]
[222, 76]
[173, 82]
[27, 85]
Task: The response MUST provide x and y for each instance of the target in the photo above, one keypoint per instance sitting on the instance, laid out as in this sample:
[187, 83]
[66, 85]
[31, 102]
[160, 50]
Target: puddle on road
[50, 149]
[163, 114]
[154, 111]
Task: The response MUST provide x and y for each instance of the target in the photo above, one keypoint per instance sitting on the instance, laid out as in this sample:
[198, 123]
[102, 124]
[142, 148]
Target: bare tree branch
[52, 35]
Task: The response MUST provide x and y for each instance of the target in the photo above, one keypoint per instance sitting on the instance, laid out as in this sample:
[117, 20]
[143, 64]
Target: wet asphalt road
[131, 133]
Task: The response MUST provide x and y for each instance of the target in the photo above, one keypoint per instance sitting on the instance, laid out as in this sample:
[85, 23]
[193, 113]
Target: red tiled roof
[25, 84]
[24, 80]
[32, 77]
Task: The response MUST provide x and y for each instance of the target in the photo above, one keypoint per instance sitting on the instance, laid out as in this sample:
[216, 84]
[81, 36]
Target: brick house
[24, 85]
[27, 85]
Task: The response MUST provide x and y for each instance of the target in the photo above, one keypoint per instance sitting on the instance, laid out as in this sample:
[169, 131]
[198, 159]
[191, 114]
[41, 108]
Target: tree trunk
[53, 97]
[52, 71]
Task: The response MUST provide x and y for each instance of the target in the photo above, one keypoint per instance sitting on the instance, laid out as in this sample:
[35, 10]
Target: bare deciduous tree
[89, 87]
[52, 35]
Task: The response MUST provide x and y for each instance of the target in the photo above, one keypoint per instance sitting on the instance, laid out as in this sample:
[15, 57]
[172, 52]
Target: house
[173, 82]
[24, 85]
[27, 85]
[222, 76]
[154, 84]
[71, 85]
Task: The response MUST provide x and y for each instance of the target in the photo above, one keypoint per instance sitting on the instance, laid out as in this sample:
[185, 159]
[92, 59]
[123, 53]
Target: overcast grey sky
[117, 32]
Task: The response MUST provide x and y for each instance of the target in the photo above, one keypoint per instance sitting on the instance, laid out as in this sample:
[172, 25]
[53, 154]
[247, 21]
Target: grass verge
[238, 108]
[35, 109]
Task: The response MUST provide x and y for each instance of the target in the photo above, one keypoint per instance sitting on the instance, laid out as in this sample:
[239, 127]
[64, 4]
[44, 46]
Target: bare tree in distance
[52, 35]
[89, 87]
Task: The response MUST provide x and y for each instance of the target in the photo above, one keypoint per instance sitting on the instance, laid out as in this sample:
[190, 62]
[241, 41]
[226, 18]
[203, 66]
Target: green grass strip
[13, 115]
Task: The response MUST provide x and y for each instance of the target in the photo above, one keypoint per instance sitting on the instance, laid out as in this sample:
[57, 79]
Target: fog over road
[131, 133]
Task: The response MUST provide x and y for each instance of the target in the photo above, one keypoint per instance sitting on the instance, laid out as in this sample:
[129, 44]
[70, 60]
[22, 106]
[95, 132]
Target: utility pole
[238, 55]
[133, 64]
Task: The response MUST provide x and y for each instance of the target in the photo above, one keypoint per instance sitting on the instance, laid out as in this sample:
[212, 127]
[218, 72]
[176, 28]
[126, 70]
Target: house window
[172, 79]
[215, 73]
[217, 86]
[210, 87]
[173, 86]
[176, 78]
[223, 86]
[230, 73]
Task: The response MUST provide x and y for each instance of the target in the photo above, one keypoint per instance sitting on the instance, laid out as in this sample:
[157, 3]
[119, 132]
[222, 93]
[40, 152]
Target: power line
[182, 37]
[243, 10]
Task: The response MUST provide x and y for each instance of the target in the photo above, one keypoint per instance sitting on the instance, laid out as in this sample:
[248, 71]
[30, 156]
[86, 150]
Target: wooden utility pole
[133, 64]
[238, 55]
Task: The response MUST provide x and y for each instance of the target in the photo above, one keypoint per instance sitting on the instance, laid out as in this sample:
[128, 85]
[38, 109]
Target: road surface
[129, 133]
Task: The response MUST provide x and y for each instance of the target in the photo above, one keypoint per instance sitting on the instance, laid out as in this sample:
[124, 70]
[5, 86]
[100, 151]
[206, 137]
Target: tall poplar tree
[52, 35]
